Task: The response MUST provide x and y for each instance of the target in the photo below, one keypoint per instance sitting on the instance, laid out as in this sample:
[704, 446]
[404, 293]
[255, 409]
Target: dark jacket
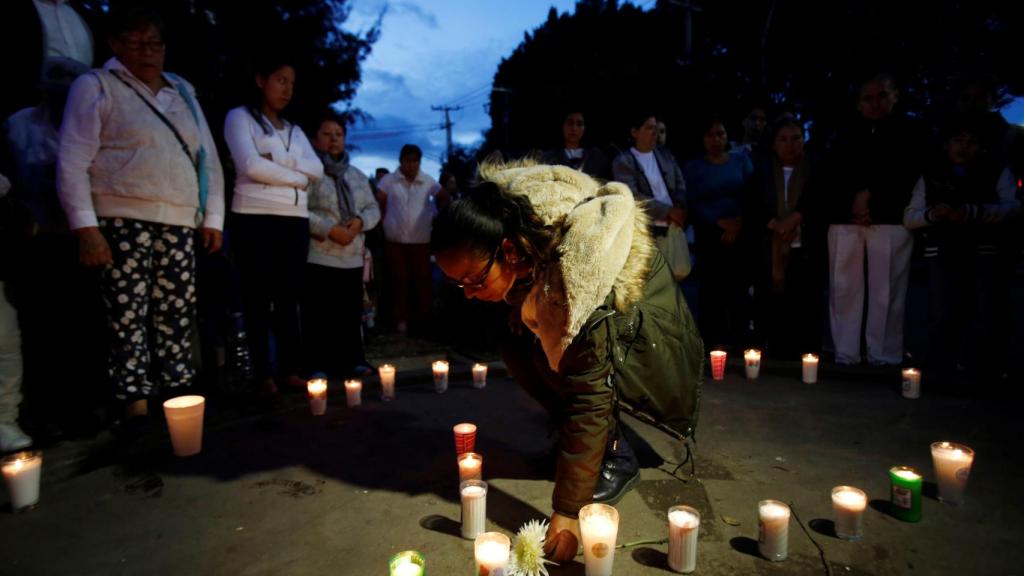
[627, 170]
[594, 162]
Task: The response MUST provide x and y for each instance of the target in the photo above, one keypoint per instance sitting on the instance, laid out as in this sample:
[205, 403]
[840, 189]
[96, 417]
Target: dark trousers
[332, 314]
[271, 252]
[409, 284]
[724, 304]
[788, 322]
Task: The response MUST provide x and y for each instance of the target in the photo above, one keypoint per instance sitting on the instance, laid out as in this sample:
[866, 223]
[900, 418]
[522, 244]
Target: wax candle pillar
[317, 389]
[408, 563]
[848, 504]
[599, 528]
[752, 363]
[952, 468]
[492, 551]
[22, 472]
[810, 368]
[473, 494]
[479, 375]
[184, 415]
[718, 364]
[353, 392]
[911, 383]
[683, 526]
[471, 466]
[387, 382]
[465, 437]
[440, 376]
[773, 530]
[906, 493]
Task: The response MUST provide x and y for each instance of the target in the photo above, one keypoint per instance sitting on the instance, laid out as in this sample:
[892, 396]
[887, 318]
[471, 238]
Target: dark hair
[131, 18]
[636, 120]
[784, 121]
[884, 78]
[967, 123]
[485, 216]
[263, 67]
[331, 116]
[410, 150]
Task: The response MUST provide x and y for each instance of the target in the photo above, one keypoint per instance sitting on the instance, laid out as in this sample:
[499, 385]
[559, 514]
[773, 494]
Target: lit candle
[906, 493]
[479, 375]
[492, 551]
[810, 368]
[317, 389]
[353, 392]
[465, 437]
[683, 525]
[22, 472]
[474, 508]
[848, 504]
[184, 415]
[408, 563]
[752, 361]
[440, 376]
[773, 530]
[387, 382]
[952, 467]
[471, 466]
[599, 527]
[718, 364]
[911, 383]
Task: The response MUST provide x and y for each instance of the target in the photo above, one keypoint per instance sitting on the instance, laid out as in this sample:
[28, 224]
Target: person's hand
[93, 249]
[945, 213]
[213, 239]
[267, 156]
[341, 234]
[562, 542]
[861, 210]
[787, 227]
[677, 216]
[730, 229]
[355, 226]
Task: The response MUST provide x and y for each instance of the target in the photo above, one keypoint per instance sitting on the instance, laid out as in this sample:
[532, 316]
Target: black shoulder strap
[177, 135]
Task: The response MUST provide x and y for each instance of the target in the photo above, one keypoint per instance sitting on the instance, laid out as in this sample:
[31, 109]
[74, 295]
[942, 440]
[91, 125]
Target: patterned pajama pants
[150, 296]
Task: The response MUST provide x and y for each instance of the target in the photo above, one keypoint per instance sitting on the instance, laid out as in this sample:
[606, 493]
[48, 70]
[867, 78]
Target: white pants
[10, 361]
[888, 249]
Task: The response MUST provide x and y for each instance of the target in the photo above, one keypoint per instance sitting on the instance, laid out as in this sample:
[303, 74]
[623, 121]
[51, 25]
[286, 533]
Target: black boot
[620, 470]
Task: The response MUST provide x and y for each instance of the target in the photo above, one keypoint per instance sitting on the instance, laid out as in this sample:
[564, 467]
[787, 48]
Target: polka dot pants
[150, 295]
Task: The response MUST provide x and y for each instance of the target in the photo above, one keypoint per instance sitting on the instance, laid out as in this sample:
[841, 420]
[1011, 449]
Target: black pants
[724, 304]
[271, 252]
[789, 321]
[332, 315]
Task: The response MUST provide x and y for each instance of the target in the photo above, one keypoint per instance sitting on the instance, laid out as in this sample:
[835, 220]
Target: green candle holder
[408, 563]
[906, 493]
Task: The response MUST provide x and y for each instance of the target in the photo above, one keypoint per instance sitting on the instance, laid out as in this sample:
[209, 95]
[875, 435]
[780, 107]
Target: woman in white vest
[137, 173]
[275, 165]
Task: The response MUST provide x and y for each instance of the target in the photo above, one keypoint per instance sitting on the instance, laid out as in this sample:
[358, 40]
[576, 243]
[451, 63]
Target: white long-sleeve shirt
[410, 207]
[67, 35]
[916, 213]
[276, 186]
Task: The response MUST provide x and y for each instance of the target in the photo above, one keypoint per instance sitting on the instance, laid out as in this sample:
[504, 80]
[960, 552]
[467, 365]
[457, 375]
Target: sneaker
[13, 438]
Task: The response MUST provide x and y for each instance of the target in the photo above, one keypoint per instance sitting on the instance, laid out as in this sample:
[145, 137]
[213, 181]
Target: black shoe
[620, 471]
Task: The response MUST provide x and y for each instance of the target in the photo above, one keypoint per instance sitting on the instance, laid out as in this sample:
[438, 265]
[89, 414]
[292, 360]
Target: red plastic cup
[465, 438]
[718, 364]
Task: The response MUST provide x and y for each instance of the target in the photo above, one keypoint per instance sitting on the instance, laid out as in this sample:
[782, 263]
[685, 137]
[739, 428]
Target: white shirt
[65, 32]
[649, 164]
[410, 207]
[574, 153]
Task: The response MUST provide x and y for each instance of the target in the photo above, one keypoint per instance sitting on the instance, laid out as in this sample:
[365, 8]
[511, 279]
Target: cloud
[411, 9]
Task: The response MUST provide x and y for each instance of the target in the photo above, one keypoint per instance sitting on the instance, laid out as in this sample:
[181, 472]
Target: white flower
[528, 550]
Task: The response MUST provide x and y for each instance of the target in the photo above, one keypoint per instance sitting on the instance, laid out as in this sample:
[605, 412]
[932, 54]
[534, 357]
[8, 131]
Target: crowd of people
[114, 189]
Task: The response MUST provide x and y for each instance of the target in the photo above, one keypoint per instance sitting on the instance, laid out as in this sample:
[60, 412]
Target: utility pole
[688, 8]
[447, 124]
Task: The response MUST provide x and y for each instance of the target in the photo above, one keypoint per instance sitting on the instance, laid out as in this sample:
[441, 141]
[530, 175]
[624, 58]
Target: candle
[22, 472]
[353, 392]
[683, 525]
[440, 376]
[387, 382]
[810, 368]
[911, 383]
[184, 415]
[492, 550]
[718, 364]
[752, 361]
[906, 493]
[474, 508]
[479, 375]
[465, 437]
[408, 563]
[952, 467]
[471, 466]
[599, 527]
[773, 530]
[848, 504]
[317, 389]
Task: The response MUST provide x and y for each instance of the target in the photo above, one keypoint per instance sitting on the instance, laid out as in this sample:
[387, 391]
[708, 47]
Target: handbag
[677, 252]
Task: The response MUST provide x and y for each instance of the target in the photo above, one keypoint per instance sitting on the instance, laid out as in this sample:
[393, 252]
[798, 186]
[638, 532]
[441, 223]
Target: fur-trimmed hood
[605, 247]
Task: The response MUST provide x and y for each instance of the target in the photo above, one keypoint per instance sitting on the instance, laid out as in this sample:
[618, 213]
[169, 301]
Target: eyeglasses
[482, 278]
[148, 45]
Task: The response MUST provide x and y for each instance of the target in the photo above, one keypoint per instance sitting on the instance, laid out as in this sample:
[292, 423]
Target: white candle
[474, 508]
[479, 375]
[952, 468]
[492, 550]
[184, 415]
[773, 530]
[387, 382]
[718, 358]
[465, 437]
[353, 392]
[408, 569]
[848, 504]
[440, 376]
[408, 563]
[683, 526]
[599, 528]
[471, 466]
[810, 362]
[911, 383]
[317, 389]
[22, 472]
[752, 362]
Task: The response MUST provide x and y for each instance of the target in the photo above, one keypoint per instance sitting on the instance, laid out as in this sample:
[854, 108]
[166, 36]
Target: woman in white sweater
[275, 165]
